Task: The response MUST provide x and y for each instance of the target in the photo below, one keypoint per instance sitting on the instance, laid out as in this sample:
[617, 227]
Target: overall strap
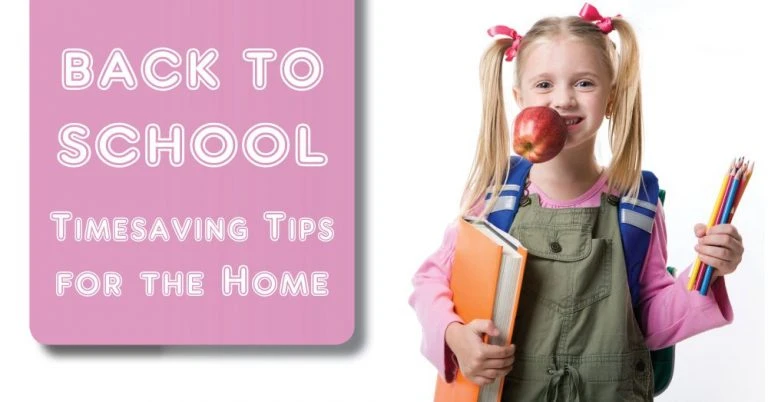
[503, 212]
[636, 217]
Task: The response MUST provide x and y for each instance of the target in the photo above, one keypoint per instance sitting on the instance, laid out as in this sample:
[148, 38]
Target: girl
[571, 341]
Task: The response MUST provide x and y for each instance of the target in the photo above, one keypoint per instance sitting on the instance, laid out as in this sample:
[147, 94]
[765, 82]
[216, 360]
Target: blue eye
[585, 84]
[544, 85]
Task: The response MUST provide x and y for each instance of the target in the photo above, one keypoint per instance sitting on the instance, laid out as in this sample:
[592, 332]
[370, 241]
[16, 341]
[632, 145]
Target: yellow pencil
[697, 264]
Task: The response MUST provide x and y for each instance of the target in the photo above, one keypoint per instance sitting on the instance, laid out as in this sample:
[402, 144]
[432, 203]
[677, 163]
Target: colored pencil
[743, 187]
[718, 217]
[724, 219]
[732, 173]
[696, 267]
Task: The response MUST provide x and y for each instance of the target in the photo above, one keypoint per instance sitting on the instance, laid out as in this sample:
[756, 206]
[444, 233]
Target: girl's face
[566, 75]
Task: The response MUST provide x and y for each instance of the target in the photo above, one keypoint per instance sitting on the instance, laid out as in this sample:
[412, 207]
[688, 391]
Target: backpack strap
[503, 212]
[636, 217]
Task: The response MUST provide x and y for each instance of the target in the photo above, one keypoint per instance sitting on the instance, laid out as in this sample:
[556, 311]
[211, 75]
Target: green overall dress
[575, 334]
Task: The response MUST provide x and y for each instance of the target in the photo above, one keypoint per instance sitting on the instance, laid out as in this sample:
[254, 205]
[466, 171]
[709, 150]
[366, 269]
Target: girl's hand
[481, 363]
[720, 247]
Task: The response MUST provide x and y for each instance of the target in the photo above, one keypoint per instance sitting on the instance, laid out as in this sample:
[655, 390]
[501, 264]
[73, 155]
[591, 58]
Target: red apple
[539, 134]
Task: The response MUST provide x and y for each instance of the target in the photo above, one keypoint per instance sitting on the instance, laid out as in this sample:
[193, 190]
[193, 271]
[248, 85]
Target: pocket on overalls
[569, 269]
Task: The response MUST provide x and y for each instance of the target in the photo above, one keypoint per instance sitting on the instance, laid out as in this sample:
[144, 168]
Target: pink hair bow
[507, 31]
[589, 13]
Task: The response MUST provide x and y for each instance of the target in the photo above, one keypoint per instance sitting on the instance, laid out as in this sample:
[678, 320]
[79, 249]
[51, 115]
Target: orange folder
[486, 278]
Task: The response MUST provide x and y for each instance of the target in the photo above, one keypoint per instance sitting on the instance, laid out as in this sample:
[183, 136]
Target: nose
[563, 99]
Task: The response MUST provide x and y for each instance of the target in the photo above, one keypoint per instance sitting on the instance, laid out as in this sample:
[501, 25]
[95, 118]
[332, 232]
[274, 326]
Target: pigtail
[625, 112]
[492, 153]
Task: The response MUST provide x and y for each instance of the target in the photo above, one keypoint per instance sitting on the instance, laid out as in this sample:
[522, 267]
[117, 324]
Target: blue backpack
[635, 223]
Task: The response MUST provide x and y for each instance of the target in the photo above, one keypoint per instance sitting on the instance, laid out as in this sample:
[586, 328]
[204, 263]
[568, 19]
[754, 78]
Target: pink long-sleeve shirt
[670, 312]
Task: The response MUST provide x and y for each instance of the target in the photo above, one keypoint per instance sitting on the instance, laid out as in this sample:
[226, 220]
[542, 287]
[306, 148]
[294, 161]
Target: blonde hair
[491, 162]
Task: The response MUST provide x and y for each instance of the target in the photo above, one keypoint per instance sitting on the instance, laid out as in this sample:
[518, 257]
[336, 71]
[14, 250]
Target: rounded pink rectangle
[274, 80]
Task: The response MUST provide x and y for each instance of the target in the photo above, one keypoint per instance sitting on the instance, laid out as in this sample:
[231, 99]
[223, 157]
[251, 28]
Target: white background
[704, 94]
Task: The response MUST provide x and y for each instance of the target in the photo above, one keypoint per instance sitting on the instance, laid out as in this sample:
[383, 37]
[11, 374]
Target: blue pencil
[724, 219]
